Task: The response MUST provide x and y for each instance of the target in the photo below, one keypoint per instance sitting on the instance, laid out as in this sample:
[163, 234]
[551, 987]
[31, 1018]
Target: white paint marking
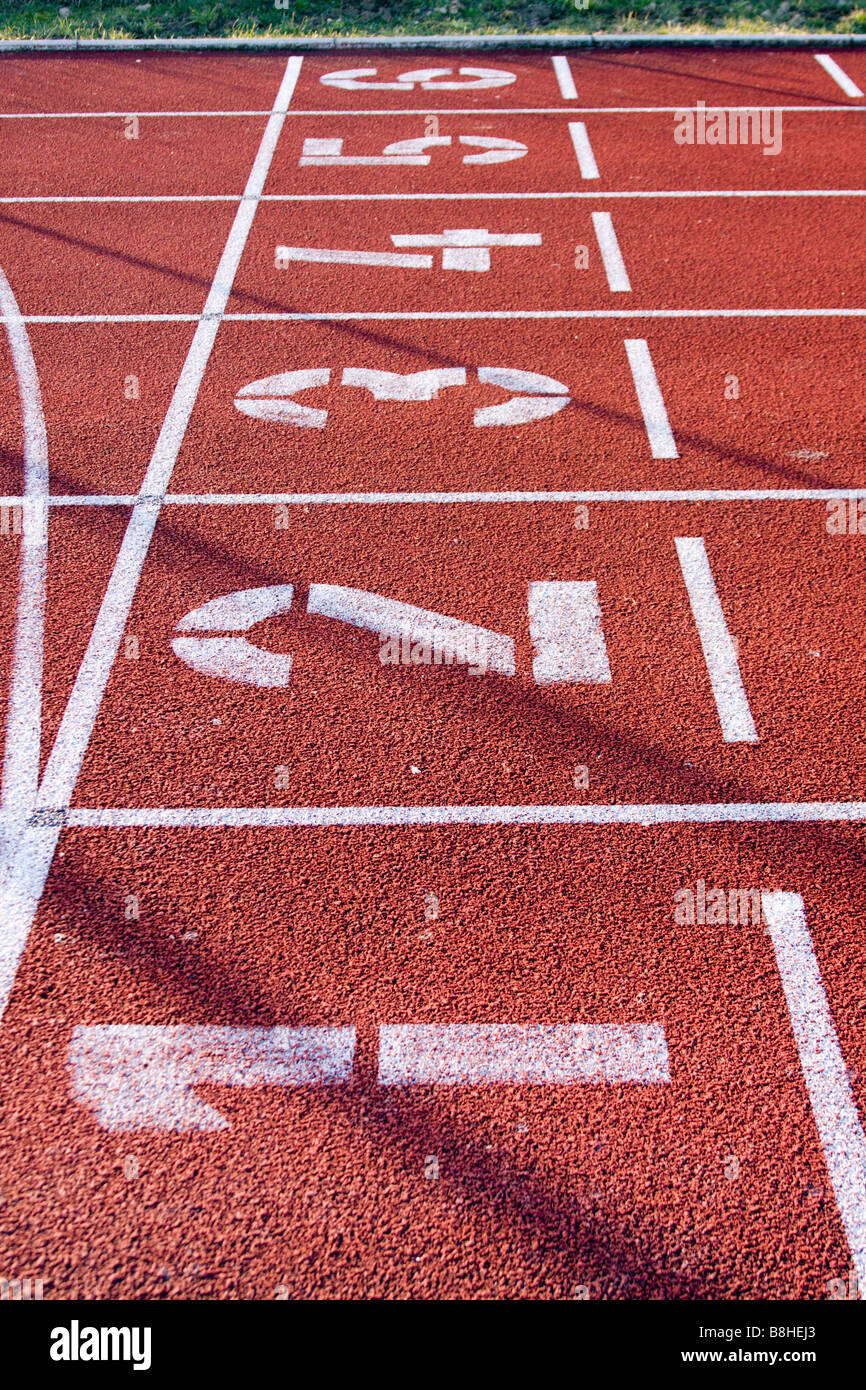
[520, 409]
[26, 866]
[567, 89]
[513, 1054]
[646, 815]
[833, 1106]
[566, 632]
[478, 647]
[720, 654]
[583, 149]
[267, 499]
[614, 265]
[650, 399]
[142, 1077]
[413, 386]
[838, 74]
[271, 398]
[234, 658]
[565, 193]
[329, 113]
[24, 708]
[446, 316]
[325, 257]
[238, 611]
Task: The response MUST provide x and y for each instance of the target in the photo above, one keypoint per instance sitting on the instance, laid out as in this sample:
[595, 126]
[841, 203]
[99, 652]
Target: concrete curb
[283, 43]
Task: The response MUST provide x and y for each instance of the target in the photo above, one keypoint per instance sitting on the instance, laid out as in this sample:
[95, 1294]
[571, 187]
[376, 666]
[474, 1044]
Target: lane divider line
[583, 149]
[834, 1109]
[614, 265]
[838, 75]
[513, 1054]
[650, 399]
[447, 315]
[564, 77]
[28, 857]
[719, 651]
[329, 113]
[20, 778]
[142, 1077]
[646, 815]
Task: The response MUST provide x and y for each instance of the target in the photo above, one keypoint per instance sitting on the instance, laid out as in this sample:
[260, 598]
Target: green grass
[172, 19]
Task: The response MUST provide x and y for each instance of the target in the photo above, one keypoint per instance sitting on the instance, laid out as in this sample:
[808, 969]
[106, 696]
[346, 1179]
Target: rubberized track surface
[334, 969]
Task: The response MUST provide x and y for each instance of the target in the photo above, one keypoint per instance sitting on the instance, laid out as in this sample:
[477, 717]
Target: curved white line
[24, 714]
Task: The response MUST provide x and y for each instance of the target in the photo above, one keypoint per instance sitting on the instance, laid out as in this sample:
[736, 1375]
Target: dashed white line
[583, 149]
[564, 77]
[650, 399]
[837, 1120]
[720, 654]
[513, 1054]
[614, 265]
[838, 74]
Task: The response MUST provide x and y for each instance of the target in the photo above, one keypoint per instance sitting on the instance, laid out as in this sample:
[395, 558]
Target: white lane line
[566, 633]
[650, 399]
[24, 708]
[564, 77]
[720, 654]
[142, 1077]
[327, 112]
[838, 74]
[513, 1054]
[565, 193]
[321, 499]
[834, 1109]
[30, 859]
[583, 149]
[353, 316]
[614, 265]
[646, 815]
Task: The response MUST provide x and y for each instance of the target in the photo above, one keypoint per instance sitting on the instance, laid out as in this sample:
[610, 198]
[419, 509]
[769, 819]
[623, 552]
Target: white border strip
[501, 39]
[833, 1106]
[29, 858]
[306, 817]
[24, 710]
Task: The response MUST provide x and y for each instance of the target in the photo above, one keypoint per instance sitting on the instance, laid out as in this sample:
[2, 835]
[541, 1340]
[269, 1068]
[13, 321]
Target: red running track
[360, 847]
